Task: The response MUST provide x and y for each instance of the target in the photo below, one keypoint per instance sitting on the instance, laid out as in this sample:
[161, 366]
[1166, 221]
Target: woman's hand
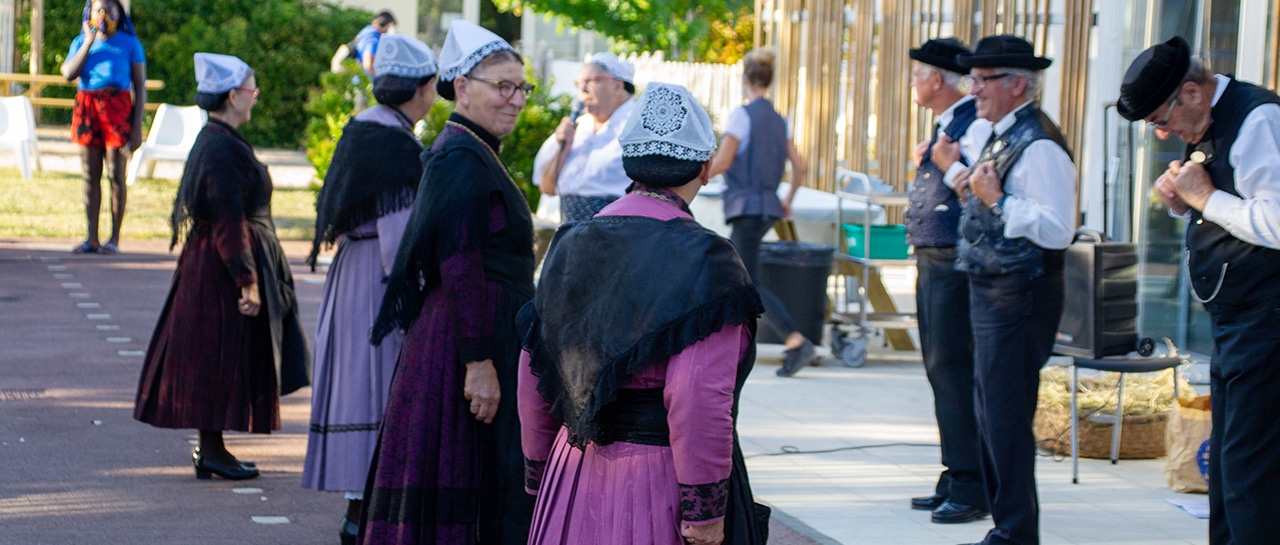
[482, 390]
[711, 534]
[249, 303]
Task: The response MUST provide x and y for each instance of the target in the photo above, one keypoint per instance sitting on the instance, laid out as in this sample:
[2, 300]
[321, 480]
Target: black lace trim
[701, 502]
[344, 428]
[533, 472]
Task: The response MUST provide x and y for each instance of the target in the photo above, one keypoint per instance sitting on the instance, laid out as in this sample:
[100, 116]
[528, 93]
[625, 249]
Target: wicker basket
[1140, 437]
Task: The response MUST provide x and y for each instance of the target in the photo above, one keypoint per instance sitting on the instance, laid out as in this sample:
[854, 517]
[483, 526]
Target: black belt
[636, 416]
[362, 236]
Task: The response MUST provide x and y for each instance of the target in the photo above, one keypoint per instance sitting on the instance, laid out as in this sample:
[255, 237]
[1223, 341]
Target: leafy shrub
[287, 42]
[332, 107]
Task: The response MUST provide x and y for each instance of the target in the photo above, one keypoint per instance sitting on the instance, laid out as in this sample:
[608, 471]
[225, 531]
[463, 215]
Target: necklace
[665, 195]
[404, 118]
[492, 154]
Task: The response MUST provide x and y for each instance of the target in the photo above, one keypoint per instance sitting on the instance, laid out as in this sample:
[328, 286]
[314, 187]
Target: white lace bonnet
[404, 56]
[217, 74]
[465, 46]
[668, 121]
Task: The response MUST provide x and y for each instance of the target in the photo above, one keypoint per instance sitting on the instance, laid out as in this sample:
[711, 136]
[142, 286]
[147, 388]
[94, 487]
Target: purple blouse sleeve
[699, 399]
[471, 300]
[537, 427]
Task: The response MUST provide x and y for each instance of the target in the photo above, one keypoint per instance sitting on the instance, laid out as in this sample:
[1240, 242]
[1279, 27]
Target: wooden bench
[37, 82]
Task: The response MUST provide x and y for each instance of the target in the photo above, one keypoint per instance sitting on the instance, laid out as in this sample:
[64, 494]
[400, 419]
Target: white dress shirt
[1041, 189]
[1254, 217]
[594, 165]
[971, 142]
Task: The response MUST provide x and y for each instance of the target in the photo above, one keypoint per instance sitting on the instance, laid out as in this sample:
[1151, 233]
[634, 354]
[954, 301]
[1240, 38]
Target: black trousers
[746, 234]
[1015, 318]
[946, 342]
[1244, 451]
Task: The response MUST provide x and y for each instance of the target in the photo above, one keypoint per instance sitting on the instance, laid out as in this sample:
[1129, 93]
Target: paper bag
[1186, 439]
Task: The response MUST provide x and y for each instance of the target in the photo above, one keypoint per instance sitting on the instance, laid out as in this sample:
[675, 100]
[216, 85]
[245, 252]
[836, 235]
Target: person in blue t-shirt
[108, 59]
[367, 39]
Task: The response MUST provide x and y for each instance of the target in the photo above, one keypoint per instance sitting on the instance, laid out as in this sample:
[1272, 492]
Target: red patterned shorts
[102, 119]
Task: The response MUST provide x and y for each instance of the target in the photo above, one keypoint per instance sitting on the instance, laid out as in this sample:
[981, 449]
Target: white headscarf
[404, 56]
[465, 46]
[216, 74]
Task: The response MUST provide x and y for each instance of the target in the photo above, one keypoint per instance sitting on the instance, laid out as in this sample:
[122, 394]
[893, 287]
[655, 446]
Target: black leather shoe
[956, 513]
[795, 358]
[206, 469]
[928, 503]
[245, 463]
[348, 531]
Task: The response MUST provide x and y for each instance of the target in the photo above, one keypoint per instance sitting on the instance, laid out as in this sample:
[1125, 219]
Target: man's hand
[945, 153]
[961, 186]
[985, 184]
[917, 153]
[1168, 194]
[1193, 185]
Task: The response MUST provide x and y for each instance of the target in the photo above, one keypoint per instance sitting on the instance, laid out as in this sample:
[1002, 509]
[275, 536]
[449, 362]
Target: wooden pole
[36, 66]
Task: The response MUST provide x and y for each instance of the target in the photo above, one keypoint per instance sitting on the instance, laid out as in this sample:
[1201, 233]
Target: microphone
[578, 107]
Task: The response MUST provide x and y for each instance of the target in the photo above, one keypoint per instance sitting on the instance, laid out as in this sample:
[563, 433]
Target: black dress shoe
[928, 503]
[245, 463]
[206, 469]
[348, 531]
[956, 513]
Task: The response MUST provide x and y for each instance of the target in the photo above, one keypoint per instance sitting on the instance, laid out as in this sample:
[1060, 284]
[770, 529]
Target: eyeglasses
[254, 90]
[1168, 114]
[506, 88]
[580, 83]
[975, 82]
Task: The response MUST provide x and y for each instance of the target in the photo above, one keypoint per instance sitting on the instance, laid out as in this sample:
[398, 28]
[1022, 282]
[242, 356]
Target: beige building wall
[406, 12]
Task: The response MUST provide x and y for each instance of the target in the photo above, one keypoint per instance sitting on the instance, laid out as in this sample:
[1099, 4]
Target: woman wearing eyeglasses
[228, 342]
[448, 467]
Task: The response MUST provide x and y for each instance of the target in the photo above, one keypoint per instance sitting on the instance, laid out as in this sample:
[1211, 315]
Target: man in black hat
[942, 293]
[1228, 185]
[1019, 217]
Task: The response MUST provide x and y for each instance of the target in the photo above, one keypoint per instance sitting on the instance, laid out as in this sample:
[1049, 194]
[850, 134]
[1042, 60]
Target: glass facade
[1166, 309]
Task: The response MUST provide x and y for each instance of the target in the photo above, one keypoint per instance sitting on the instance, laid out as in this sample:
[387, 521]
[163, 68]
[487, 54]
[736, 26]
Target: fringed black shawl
[221, 166]
[375, 172]
[461, 178]
[619, 294]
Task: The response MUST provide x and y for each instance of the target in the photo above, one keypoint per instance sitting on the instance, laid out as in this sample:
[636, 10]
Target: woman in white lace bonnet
[639, 339]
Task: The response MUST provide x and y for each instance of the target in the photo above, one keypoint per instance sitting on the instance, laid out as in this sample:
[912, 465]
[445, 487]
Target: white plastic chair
[18, 132]
[172, 134]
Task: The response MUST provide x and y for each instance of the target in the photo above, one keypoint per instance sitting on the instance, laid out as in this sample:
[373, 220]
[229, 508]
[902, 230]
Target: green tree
[681, 28]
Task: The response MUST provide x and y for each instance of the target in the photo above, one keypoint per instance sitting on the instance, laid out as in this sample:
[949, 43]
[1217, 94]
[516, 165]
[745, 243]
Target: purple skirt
[439, 476]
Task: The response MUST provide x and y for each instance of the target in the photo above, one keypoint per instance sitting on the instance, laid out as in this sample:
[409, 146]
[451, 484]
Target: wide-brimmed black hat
[1153, 77]
[941, 52]
[1003, 51]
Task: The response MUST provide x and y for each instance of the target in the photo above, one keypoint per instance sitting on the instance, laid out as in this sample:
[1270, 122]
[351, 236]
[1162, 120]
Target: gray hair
[949, 78]
[1035, 81]
[1197, 72]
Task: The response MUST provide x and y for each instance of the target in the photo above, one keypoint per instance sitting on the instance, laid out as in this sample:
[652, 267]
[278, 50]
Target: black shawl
[461, 174]
[375, 172]
[221, 163]
[619, 294]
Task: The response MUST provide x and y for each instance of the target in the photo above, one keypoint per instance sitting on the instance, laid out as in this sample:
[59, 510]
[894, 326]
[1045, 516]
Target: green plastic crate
[887, 241]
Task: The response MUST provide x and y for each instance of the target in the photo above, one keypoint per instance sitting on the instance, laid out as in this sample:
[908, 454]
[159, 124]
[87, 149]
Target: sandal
[109, 248]
[84, 248]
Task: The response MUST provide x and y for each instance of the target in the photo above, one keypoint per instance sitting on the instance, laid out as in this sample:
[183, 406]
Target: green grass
[51, 205]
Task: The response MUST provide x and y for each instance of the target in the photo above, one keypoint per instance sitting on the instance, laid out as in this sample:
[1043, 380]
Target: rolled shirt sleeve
[1041, 203]
[1254, 216]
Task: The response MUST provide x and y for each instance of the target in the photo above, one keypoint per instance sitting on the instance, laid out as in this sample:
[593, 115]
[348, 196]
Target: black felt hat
[941, 52]
[1003, 51]
[1153, 77]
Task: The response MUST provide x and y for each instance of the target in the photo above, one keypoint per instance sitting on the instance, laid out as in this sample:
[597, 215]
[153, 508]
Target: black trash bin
[796, 273]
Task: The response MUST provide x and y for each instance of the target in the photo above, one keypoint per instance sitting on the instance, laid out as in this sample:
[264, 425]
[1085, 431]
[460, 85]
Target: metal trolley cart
[875, 308]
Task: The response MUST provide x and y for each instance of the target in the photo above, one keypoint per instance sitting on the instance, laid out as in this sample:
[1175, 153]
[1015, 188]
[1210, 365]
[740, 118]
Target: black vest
[983, 248]
[933, 217]
[751, 183]
[1223, 268]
